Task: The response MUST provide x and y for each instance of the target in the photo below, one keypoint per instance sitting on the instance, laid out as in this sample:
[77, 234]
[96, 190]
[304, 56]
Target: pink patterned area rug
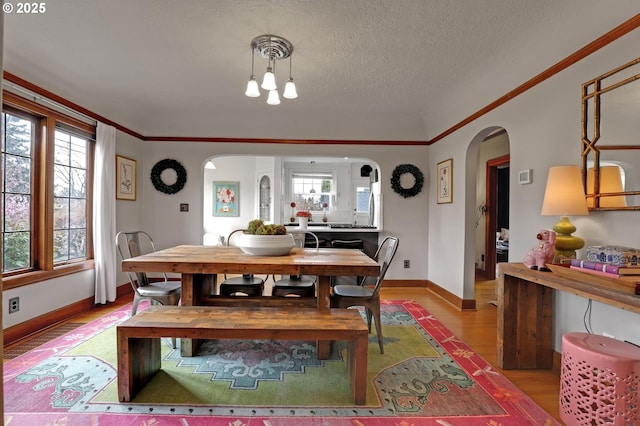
[427, 376]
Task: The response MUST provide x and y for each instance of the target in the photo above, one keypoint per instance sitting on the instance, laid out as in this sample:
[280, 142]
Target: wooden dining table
[199, 266]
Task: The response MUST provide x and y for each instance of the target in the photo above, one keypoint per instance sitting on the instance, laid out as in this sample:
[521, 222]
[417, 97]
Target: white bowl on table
[266, 245]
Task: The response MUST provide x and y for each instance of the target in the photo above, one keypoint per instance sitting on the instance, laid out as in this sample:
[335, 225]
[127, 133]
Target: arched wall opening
[353, 194]
[491, 142]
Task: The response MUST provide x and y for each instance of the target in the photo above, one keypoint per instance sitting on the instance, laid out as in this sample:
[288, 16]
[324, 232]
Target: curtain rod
[39, 99]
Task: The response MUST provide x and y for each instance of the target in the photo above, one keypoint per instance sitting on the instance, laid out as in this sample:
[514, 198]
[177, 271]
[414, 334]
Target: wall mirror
[611, 139]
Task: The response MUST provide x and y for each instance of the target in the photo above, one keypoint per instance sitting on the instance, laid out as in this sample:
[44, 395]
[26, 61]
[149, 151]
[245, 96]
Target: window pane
[362, 202]
[77, 243]
[61, 246]
[70, 203]
[78, 152]
[62, 149]
[78, 186]
[16, 192]
[16, 250]
[78, 213]
[17, 175]
[18, 135]
[17, 212]
[61, 181]
[60, 213]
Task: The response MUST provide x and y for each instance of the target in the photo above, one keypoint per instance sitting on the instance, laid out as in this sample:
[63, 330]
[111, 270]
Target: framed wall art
[125, 178]
[445, 181]
[226, 199]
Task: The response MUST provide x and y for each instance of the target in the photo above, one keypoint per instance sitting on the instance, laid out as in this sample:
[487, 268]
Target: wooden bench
[139, 347]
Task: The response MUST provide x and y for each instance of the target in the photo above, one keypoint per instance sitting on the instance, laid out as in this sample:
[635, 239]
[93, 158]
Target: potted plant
[303, 218]
[261, 239]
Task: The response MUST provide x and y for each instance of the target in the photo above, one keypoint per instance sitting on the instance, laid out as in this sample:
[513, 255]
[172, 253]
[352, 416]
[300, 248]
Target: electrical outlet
[14, 305]
[407, 263]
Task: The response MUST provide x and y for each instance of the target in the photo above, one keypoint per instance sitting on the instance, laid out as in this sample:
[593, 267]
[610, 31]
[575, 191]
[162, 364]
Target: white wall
[543, 125]
[235, 169]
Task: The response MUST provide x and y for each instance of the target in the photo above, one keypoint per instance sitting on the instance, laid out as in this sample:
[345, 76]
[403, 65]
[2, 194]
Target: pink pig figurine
[543, 253]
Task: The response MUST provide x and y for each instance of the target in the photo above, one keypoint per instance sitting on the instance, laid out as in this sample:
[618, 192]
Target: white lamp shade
[290, 90]
[610, 181]
[274, 98]
[564, 194]
[269, 80]
[252, 89]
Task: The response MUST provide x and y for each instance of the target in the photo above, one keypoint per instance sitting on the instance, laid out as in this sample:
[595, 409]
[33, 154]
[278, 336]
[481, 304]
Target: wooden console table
[525, 309]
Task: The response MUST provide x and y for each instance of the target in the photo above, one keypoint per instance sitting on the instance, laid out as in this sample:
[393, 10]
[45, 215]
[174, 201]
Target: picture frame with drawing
[444, 174]
[125, 178]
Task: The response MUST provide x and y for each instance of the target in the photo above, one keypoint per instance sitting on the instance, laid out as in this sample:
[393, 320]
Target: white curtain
[104, 214]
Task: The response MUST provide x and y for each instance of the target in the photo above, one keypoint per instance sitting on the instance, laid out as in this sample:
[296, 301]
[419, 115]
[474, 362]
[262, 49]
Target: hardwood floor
[476, 328]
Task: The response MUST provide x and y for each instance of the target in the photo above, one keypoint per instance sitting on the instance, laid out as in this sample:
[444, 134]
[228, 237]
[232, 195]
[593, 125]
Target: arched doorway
[491, 142]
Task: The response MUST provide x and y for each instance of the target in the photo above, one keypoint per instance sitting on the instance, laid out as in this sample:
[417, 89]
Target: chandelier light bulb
[252, 88]
[269, 80]
[274, 98]
[290, 90]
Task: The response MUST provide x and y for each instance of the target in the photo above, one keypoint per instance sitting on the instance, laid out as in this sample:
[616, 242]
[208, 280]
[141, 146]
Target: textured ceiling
[364, 69]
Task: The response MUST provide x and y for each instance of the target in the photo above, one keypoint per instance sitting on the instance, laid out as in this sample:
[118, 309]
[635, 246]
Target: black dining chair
[245, 285]
[346, 296]
[298, 285]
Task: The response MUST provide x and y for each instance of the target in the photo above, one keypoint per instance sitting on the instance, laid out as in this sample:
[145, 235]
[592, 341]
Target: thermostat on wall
[524, 176]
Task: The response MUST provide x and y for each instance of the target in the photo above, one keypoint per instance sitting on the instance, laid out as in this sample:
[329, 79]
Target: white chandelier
[272, 48]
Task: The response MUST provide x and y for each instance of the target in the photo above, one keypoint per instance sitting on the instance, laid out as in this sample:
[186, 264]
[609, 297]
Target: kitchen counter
[329, 228]
[326, 233]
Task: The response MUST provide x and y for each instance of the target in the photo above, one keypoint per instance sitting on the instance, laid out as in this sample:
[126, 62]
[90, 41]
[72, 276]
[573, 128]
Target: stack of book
[619, 272]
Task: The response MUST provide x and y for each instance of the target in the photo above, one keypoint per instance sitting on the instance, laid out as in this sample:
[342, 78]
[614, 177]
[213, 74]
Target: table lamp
[564, 196]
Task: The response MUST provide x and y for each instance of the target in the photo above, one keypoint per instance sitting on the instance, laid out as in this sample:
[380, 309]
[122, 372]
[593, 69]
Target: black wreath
[417, 175]
[163, 165]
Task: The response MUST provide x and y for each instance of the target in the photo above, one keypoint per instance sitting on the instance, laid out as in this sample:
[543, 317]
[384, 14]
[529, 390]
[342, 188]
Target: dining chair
[245, 285]
[346, 296]
[160, 290]
[359, 280]
[298, 285]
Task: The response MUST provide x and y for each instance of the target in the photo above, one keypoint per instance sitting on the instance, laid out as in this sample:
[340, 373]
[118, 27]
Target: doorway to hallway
[497, 214]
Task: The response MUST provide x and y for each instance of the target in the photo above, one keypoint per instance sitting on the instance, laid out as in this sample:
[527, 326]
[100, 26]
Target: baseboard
[405, 283]
[462, 304]
[35, 325]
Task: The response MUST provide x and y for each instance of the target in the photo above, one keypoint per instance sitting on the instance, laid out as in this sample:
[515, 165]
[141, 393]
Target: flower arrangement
[303, 213]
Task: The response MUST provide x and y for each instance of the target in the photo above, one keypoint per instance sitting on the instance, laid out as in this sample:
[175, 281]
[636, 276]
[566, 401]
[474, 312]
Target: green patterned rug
[426, 376]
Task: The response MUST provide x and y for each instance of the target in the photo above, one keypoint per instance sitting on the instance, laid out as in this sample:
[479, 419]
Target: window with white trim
[313, 191]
